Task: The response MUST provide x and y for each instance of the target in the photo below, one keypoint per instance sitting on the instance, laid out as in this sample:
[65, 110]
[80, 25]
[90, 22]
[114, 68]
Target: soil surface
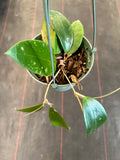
[74, 66]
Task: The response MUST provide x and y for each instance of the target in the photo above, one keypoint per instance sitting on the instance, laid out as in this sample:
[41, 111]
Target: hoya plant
[66, 41]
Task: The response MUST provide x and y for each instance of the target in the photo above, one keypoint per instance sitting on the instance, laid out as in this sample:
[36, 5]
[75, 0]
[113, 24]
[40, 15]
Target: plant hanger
[94, 26]
[47, 18]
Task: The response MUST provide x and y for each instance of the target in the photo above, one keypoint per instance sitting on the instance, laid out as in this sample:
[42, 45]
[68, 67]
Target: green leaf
[57, 46]
[78, 32]
[53, 37]
[52, 33]
[56, 119]
[63, 29]
[94, 114]
[31, 109]
[33, 55]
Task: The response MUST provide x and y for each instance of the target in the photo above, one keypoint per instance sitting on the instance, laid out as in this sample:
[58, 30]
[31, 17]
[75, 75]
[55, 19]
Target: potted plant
[72, 61]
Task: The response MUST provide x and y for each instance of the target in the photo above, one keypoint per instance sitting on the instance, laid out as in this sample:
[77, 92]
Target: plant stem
[108, 94]
[45, 97]
[80, 95]
[75, 93]
[79, 102]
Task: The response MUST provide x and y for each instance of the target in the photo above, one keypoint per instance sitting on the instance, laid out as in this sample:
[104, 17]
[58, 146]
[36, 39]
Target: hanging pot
[89, 65]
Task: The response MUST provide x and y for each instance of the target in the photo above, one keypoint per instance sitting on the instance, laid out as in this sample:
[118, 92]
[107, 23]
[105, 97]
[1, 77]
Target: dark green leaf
[94, 114]
[78, 32]
[56, 119]
[63, 29]
[31, 109]
[34, 55]
[53, 36]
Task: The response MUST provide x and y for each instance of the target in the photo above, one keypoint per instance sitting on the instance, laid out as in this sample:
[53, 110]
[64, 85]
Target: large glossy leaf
[53, 37]
[31, 109]
[94, 114]
[78, 33]
[63, 29]
[56, 119]
[34, 55]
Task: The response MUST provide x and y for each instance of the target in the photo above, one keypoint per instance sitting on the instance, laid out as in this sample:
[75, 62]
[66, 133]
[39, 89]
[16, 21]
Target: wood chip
[79, 72]
[70, 65]
[74, 78]
[84, 69]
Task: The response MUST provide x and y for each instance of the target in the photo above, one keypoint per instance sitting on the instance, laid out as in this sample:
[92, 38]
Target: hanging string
[46, 11]
[94, 26]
